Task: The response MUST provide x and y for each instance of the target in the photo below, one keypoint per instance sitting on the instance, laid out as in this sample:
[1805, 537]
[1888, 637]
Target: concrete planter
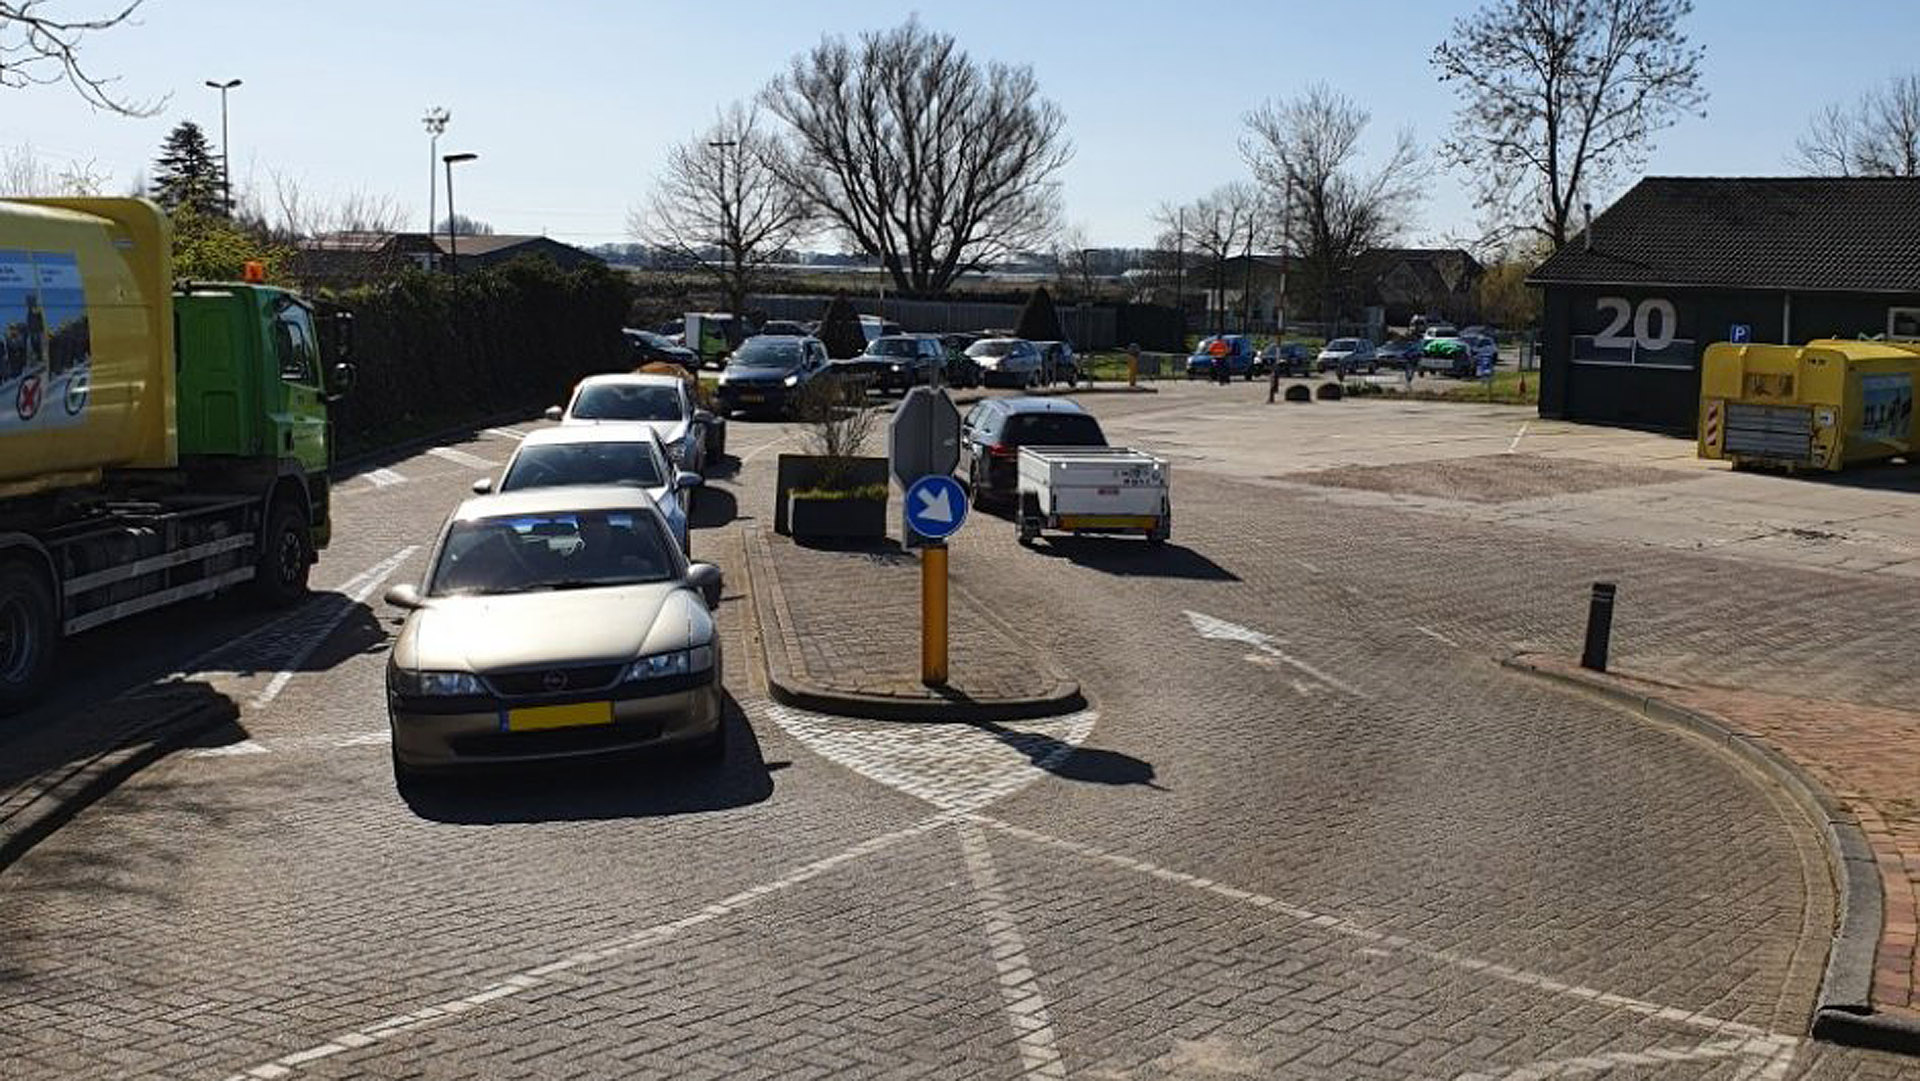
[798, 472]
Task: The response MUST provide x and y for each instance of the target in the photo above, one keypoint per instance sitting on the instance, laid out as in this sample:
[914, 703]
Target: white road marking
[1517, 436]
[461, 457]
[659, 933]
[507, 433]
[956, 767]
[1765, 1049]
[1381, 940]
[1020, 989]
[763, 448]
[1308, 567]
[384, 478]
[1436, 635]
[289, 744]
[369, 580]
[1219, 629]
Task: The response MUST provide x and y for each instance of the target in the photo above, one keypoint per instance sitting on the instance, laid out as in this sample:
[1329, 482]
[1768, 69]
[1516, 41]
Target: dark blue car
[1234, 350]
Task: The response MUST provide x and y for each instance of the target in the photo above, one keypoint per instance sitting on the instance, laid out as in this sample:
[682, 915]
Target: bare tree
[723, 203]
[349, 238]
[1878, 136]
[923, 159]
[1559, 96]
[1074, 263]
[24, 172]
[1306, 153]
[1227, 221]
[39, 47]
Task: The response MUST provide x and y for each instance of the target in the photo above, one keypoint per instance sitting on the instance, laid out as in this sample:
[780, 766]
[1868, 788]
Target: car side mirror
[706, 578]
[483, 486]
[685, 479]
[407, 597]
[704, 416]
[340, 380]
[553, 412]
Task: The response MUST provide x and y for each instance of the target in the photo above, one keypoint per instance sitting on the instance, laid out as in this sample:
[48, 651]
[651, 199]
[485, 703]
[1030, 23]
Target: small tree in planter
[846, 496]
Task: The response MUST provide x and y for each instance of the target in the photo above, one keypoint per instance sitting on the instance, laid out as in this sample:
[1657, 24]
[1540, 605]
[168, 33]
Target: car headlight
[899, 367]
[791, 380]
[722, 380]
[680, 662]
[436, 684]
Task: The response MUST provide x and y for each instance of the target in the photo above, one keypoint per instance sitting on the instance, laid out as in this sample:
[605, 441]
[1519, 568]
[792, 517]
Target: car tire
[26, 664]
[976, 490]
[286, 556]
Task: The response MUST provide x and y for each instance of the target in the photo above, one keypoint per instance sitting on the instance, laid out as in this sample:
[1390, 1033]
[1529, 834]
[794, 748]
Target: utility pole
[226, 162]
[1180, 270]
[436, 121]
[736, 297]
[453, 242]
[1246, 283]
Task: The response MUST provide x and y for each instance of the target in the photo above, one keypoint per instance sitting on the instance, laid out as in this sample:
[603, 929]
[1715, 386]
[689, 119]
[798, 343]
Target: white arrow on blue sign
[936, 506]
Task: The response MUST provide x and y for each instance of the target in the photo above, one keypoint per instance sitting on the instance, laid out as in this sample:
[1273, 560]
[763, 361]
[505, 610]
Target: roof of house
[488, 243]
[1849, 234]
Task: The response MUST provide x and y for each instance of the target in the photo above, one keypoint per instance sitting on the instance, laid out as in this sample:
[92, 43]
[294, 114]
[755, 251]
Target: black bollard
[1599, 627]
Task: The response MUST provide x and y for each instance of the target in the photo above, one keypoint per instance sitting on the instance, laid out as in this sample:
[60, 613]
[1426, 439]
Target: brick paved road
[1308, 831]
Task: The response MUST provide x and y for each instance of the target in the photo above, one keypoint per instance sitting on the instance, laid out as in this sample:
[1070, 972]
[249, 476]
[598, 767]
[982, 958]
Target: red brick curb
[790, 683]
[1844, 1011]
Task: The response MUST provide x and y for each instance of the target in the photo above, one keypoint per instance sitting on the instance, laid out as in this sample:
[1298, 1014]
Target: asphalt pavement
[1305, 827]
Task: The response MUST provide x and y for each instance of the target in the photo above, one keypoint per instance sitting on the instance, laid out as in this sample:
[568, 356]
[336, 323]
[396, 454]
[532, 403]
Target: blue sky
[571, 103]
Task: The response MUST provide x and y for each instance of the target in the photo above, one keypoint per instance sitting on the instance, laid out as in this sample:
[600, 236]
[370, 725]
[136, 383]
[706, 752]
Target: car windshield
[992, 348]
[892, 347]
[527, 553]
[1052, 430]
[769, 353]
[554, 464]
[1343, 345]
[627, 401]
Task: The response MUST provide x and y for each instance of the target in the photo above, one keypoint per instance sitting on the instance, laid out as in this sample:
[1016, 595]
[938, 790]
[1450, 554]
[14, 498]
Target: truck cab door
[300, 419]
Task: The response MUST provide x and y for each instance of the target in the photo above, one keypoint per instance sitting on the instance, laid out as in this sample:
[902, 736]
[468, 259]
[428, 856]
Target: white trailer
[1093, 490]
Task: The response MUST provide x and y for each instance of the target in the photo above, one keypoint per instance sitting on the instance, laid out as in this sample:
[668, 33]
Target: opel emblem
[554, 681]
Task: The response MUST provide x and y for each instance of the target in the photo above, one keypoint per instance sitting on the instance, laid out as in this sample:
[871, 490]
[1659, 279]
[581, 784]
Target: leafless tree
[38, 46]
[1878, 136]
[1226, 222]
[1559, 96]
[723, 203]
[1074, 267]
[1306, 152]
[923, 159]
[24, 172]
[346, 239]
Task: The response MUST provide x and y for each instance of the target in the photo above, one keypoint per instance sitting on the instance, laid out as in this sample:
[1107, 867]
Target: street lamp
[453, 243]
[726, 220]
[436, 121]
[226, 163]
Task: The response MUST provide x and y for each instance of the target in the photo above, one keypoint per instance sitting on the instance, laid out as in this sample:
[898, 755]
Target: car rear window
[555, 464]
[1052, 430]
[623, 401]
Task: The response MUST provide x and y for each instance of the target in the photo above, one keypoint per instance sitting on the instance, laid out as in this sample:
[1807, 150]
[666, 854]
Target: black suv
[896, 362]
[996, 429]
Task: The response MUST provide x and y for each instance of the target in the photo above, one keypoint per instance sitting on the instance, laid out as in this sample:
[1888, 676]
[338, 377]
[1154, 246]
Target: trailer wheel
[286, 556]
[1026, 519]
[27, 636]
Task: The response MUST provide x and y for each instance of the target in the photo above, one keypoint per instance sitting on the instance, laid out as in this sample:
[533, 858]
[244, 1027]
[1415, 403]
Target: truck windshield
[1053, 430]
[617, 401]
[583, 463]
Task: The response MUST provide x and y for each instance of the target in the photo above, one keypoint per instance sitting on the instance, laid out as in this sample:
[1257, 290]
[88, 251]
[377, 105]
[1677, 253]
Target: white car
[577, 454]
[664, 403]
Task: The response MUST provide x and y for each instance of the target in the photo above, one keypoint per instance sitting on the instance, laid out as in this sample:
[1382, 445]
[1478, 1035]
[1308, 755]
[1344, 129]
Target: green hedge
[435, 350]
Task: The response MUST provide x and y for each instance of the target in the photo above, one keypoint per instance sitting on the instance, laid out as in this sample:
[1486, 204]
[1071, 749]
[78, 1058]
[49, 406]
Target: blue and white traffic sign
[936, 506]
[1740, 333]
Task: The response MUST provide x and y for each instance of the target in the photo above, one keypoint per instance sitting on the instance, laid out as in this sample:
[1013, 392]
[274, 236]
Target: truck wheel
[27, 636]
[286, 558]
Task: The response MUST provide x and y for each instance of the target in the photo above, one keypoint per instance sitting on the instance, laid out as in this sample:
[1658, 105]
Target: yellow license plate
[1107, 521]
[753, 397]
[573, 715]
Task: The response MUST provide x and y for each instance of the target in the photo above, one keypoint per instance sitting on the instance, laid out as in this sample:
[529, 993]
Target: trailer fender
[26, 549]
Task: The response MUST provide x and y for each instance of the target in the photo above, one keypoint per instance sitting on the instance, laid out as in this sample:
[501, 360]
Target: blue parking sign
[1740, 333]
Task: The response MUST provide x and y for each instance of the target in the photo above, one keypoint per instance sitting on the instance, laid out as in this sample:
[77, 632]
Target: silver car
[1007, 362]
[664, 403]
[601, 454]
[555, 623]
[1347, 356]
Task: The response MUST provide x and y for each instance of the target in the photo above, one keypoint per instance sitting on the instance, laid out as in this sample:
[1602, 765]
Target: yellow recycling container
[1825, 405]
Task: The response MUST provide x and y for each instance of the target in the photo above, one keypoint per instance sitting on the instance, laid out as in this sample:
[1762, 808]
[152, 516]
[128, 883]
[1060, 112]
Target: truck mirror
[343, 335]
[340, 379]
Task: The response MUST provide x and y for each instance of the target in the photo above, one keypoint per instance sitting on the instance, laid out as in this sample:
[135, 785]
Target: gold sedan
[555, 623]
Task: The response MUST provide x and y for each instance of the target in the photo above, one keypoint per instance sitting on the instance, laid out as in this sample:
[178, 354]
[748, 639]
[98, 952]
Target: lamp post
[453, 243]
[226, 162]
[436, 122]
[727, 248]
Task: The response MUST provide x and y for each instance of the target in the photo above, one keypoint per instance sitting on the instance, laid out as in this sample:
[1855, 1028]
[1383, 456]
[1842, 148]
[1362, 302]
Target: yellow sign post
[933, 615]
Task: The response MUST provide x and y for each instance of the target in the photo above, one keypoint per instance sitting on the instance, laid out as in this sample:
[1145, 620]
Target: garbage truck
[1825, 405]
[159, 440]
